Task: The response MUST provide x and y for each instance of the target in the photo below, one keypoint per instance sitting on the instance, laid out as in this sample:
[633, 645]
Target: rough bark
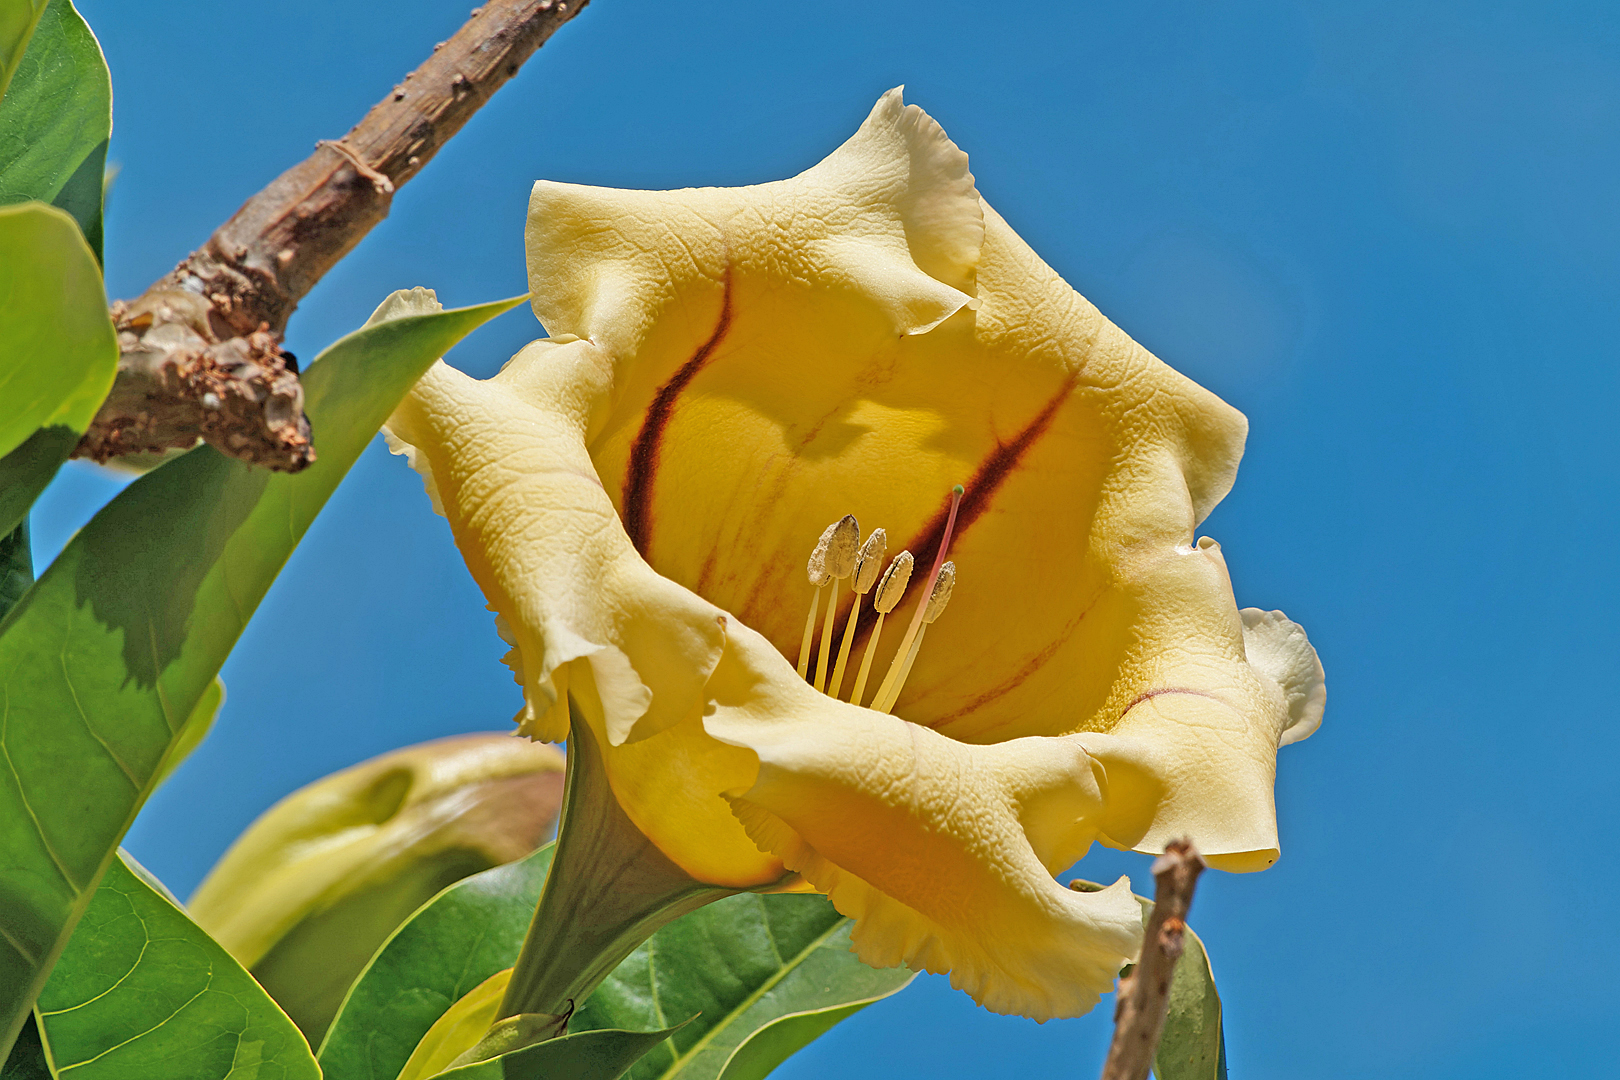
[201, 349]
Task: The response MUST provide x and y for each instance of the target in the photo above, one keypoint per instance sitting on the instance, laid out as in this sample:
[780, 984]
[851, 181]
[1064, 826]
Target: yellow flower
[729, 370]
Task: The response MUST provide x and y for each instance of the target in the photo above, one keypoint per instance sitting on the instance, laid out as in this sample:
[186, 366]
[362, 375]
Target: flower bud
[313, 887]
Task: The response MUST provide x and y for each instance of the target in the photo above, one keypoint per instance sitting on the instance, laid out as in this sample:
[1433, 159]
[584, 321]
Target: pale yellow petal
[943, 853]
[1277, 647]
[1189, 731]
[507, 458]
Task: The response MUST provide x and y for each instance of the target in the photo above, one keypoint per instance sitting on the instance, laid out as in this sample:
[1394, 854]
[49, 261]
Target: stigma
[839, 556]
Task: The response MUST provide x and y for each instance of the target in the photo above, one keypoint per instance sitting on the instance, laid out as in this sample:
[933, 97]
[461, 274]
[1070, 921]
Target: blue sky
[1388, 232]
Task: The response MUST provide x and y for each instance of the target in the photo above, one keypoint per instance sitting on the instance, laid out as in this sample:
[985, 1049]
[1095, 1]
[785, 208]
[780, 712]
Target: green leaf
[458, 939]
[27, 1060]
[604, 1054]
[1192, 1046]
[25, 472]
[141, 988]
[777, 966]
[194, 731]
[58, 354]
[774, 1043]
[59, 351]
[16, 567]
[105, 658]
[55, 120]
[17, 20]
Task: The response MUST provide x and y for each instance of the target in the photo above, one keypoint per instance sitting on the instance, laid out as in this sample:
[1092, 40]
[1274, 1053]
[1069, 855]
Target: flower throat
[840, 555]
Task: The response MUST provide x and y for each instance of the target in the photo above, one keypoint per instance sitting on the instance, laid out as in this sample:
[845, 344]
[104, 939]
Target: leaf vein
[748, 1002]
[84, 718]
[22, 797]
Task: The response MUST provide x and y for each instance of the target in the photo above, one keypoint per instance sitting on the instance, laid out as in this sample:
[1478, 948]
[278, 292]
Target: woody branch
[201, 349]
[1143, 999]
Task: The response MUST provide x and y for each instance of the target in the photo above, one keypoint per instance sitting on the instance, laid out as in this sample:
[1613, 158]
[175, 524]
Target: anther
[843, 549]
[867, 565]
[941, 593]
[938, 597]
[816, 570]
[889, 592]
[890, 690]
[893, 585]
[870, 561]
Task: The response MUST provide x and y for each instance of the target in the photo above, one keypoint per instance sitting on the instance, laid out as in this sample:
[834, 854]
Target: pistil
[867, 565]
[938, 597]
[890, 689]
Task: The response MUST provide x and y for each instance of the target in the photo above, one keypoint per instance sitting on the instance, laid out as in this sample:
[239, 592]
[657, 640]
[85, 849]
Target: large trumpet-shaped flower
[730, 369]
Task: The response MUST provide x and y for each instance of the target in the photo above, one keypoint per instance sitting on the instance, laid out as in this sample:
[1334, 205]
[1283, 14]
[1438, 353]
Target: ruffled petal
[1190, 729]
[1278, 648]
[942, 852]
[508, 460]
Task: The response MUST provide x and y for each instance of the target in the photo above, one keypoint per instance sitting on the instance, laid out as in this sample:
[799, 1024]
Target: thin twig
[201, 349]
[1144, 994]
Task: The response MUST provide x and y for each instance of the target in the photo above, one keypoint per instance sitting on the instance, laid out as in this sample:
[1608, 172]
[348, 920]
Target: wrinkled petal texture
[731, 369]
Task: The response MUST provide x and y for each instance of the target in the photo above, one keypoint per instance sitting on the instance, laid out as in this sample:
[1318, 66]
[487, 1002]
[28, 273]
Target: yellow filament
[843, 650]
[826, 637]
[898, 662]
[884, 705]
[866, 661]
[809, 634]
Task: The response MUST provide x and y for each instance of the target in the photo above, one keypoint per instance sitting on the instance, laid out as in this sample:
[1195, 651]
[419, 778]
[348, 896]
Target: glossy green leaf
[140, 988]
[458, 939]
[55, 119]
[604, 1054]
[58, 353]
[17, 20]
[776, 966]
[105, 658]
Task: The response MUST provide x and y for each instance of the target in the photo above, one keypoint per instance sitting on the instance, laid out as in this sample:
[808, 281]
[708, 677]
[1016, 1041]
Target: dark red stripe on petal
[1139, 698]
[986, 481]
[1014, 681]
[644, 451]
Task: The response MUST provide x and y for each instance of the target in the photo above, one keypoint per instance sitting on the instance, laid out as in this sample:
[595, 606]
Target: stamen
[889, 691]
[867, 565]
[843, 549]
[937, 599]
[889, 592]
[816, 569]
[893, 585]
